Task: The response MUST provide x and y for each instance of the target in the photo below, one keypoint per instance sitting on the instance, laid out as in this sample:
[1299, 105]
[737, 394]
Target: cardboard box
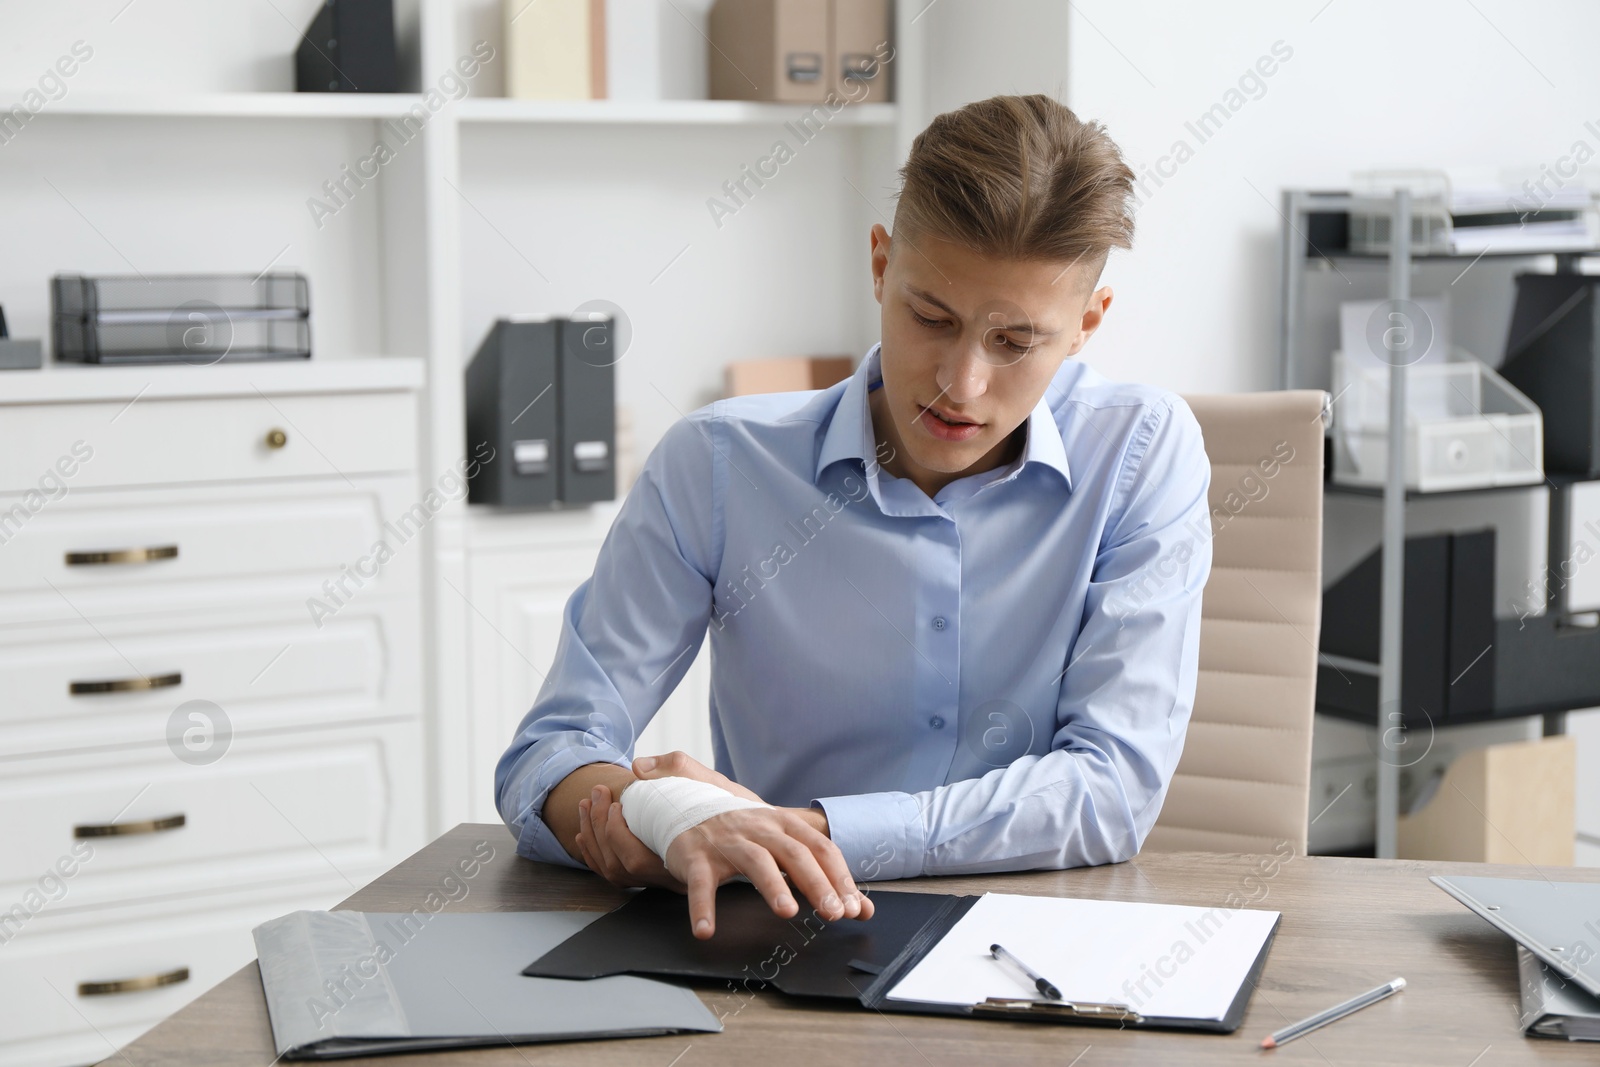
[799, 51]
[1508, 803]
[785, 374]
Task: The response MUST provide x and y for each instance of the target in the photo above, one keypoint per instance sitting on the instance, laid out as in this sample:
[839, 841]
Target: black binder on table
[917, 944]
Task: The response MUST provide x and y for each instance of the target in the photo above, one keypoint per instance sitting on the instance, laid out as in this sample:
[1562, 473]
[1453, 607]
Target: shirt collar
[849, 434]
[1044, 444]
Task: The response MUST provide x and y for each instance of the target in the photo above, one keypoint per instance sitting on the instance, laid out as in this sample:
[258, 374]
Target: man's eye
[930, 323]
[1001, 341]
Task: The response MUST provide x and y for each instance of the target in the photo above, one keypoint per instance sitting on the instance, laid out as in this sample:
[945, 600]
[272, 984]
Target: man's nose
[964, 376]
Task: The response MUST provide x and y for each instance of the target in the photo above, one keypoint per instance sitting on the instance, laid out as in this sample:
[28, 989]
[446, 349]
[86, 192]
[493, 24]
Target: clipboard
[866, 961]
[1556, 921]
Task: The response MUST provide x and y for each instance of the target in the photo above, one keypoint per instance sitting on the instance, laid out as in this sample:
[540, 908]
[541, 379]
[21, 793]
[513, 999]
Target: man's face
[969, 345]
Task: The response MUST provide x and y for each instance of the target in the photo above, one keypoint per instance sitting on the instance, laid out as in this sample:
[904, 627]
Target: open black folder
[917, 942]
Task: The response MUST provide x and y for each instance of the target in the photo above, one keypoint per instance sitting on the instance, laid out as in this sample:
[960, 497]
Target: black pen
[1039, 981]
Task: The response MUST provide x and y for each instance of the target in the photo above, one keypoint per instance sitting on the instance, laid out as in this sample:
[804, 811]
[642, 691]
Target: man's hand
[683, 765]
[607, 845]
[764, 845]
[611, 850]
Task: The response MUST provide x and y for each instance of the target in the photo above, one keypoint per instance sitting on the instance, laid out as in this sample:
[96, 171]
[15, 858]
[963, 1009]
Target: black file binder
[349, 47]
[542, 394]
[843, 960]
[508, 410]
[587, 412]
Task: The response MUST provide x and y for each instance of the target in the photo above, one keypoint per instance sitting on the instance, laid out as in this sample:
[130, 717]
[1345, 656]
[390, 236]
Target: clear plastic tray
[1466, 427]
[180, 318]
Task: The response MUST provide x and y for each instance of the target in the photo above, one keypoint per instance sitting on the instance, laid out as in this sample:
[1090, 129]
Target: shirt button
[938, 622]
[936, 722]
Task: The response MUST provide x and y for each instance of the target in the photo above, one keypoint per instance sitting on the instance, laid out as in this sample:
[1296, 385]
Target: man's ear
[880, 259]
[1094, 313]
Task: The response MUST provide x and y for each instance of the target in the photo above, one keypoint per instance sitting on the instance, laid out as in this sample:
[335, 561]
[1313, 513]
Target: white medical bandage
[657, 810]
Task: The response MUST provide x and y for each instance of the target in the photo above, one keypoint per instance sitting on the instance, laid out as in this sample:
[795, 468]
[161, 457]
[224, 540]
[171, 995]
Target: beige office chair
[1244, 781]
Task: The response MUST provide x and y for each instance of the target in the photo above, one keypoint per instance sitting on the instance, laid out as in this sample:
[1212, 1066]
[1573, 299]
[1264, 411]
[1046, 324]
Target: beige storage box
[799, 51]
[1509, 803]
[785, 374]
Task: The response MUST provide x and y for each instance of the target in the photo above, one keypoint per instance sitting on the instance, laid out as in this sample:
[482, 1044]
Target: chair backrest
[1243, 783]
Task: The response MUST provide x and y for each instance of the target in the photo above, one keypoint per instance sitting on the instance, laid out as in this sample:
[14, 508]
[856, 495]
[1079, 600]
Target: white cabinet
[79, 985]
[211, 675]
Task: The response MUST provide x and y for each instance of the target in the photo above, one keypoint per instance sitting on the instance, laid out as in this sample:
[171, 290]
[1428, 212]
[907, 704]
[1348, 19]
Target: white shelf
[664, 112]
[469, 109]
[233, 105]
[68, 382]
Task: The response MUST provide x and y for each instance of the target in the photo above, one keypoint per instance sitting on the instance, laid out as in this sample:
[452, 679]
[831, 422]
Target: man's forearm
[560, 811]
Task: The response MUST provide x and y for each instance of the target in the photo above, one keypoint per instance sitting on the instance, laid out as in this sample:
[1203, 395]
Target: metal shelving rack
[1298, 207]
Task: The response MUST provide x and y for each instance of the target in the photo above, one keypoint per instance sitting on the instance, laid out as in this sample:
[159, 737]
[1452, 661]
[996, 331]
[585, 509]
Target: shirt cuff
[880, 834]
[536, 841]
[539, 844]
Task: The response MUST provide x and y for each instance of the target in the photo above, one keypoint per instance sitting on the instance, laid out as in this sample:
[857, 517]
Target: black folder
[846, 959]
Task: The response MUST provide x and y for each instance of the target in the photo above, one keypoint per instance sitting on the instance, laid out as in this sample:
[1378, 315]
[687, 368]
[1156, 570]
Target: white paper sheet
[1159, 959]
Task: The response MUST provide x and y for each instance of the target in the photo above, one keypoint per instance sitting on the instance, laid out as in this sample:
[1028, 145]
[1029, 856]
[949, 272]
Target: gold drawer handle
[133, 985]
[128, 829]
[127, 685]
[276, 438]
[122, 555]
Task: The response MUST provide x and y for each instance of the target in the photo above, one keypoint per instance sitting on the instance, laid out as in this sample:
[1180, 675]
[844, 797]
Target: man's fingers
[756, 863]
[586, 836]
[802, 867]
[836, 870]
[666, 765]
[702, 882]
[682, 765]
[589, 843]
[598, 818]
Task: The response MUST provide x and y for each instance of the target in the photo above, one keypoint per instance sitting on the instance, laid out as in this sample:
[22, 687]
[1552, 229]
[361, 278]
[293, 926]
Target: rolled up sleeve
[628, 635]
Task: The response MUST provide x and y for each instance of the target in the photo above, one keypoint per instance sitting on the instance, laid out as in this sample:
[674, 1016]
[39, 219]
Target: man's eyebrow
[928, 298]
[1021, 327]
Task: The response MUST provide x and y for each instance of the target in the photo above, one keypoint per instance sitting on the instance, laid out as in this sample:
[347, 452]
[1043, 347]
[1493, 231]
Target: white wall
[1369, 84]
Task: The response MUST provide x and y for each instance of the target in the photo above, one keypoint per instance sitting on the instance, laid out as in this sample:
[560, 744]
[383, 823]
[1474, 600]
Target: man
[954, 601]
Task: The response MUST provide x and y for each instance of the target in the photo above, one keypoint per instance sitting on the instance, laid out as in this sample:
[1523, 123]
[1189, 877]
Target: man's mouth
[947, 426]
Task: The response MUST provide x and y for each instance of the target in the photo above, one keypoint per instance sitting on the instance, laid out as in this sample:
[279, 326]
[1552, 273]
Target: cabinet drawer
[274, 808]
[214, 439]
[132, 550]
[123, 681]
[48, 1020]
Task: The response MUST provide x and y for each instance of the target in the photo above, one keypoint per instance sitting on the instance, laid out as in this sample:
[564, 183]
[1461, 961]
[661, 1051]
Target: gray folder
[349, 983]
[1553, 1006]
[1559, 922]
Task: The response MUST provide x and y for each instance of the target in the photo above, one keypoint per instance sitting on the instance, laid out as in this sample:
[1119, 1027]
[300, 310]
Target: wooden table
[1348, 925]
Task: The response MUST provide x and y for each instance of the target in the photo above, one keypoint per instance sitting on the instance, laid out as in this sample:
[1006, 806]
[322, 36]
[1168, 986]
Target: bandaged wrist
[657, 810]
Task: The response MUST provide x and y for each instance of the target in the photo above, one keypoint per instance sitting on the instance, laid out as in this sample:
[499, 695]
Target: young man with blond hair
[917, 582]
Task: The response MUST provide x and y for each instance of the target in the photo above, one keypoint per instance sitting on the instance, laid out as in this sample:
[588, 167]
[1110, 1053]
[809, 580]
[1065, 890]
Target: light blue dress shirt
[998, 678]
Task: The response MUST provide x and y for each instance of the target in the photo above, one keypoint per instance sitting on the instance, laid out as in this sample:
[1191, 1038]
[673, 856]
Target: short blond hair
[1018, 177]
